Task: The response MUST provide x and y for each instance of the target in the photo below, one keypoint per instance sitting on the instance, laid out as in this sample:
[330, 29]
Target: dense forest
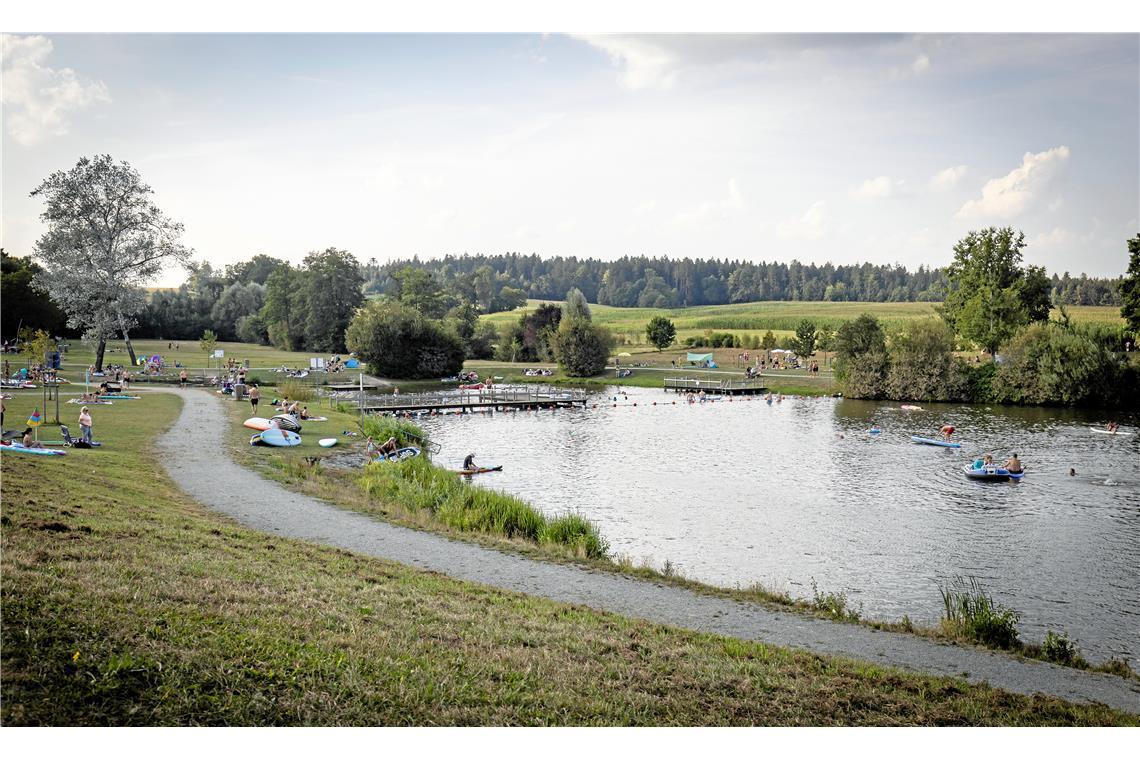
[669, 283]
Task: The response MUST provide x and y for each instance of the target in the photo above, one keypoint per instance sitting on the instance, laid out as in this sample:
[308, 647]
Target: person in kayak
[1013, 464]
[946, 431]
[469, 462]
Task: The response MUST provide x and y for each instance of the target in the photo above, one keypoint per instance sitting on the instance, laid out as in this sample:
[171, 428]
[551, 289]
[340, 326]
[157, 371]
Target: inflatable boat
[991, 473]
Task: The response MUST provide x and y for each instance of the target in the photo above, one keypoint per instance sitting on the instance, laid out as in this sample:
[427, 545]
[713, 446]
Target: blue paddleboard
[276, 437]
[935, 442]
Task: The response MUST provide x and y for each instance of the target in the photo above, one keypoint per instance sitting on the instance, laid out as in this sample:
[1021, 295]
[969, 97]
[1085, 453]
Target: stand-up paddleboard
[875, 431]
[276, 437]
[287, 422]
[911, 408]
[479, 470]
[258, 423]
[118, 396]
[327, 443]
[1110, 432]
[935, 442]
[401, 454]
[18, 448]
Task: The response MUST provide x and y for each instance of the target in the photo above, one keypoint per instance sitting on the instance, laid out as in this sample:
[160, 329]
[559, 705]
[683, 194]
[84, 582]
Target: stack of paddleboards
[287, 422]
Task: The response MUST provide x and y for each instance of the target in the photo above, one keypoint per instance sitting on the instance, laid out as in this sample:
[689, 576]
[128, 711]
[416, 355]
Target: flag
[34, 420]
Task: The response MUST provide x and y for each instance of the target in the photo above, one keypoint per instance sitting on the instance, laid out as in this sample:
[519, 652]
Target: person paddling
[469, 462]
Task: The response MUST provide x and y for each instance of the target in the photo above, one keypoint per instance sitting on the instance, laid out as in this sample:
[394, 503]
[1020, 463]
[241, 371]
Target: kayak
[1110, 432]
[401, 454]
[935, 442]
[991, 473]
[478, 470]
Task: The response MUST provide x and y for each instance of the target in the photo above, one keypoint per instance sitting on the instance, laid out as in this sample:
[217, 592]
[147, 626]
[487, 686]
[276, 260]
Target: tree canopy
[105, 240]
[661, 332]
[991, 295]
[398, 341]
[1130, 288]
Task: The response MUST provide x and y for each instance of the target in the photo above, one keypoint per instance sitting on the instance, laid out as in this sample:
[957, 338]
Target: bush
[1059, 648]
[582, 347]
[972, 614]
[834, 605]
[576, 532]
[398, 341]
[295, 390]
[1053, 364]
[862, 362]
[922, 366]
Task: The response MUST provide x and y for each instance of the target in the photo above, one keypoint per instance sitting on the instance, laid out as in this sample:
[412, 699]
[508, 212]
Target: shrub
[972, 614]
[398, 341]
[582, 347]
[1052, 364]
[1059, 648]
[834, 605]
[921, 366]
[575, 532]
[862, 363]
[295, 390]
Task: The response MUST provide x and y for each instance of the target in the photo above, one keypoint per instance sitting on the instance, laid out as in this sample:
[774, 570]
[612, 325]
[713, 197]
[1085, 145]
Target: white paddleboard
[327, 443]
[1109, 432]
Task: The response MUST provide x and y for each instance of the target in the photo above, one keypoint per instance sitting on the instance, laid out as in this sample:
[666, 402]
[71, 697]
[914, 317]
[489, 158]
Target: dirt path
[201, 467]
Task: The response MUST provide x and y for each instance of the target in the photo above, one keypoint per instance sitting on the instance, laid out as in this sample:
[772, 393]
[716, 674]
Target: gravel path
[201, 467]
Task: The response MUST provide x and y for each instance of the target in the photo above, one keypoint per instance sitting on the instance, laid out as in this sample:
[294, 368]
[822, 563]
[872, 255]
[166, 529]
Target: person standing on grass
[85, 424]
[254, 397]
[182, 379]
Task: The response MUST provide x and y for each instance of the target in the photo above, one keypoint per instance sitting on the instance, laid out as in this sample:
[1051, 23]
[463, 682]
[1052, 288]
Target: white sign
[219, 353]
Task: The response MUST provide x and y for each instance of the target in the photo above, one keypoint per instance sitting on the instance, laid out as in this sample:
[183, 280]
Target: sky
[829, 147]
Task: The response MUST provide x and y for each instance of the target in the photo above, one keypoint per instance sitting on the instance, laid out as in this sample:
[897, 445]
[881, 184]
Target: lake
[743, 491]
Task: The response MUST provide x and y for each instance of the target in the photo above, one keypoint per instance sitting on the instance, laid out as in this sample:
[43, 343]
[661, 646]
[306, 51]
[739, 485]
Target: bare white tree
[106, 239]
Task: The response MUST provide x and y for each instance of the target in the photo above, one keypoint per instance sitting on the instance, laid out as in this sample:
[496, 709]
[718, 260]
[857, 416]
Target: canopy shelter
[691, 357]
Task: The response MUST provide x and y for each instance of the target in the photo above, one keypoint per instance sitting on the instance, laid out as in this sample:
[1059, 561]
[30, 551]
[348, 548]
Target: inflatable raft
[991, 473]
[935, 442]
[401, 454]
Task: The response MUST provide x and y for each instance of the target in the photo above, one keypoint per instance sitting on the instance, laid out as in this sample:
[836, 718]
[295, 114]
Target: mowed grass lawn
[126, 603]
[781, 317]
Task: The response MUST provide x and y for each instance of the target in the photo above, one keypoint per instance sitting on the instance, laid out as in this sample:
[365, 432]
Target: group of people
[376, 451]
[1012, 465]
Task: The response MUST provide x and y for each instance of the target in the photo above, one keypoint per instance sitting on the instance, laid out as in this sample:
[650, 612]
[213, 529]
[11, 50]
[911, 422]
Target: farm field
[781, 317]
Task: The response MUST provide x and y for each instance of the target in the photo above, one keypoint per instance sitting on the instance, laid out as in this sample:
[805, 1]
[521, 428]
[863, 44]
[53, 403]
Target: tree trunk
[130, 349]
[99, 355]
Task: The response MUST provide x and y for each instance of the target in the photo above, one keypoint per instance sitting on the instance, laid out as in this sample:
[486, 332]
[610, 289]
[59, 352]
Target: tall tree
[990, 296]
[1130, 288]
[333, 282]
[575, 306]
[286, 308]
[804, 342]
[106, 239]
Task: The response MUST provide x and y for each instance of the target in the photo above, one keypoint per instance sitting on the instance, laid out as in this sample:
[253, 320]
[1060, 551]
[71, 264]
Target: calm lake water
[742, 491]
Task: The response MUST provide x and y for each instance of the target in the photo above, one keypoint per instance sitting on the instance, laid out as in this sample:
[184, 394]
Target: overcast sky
[842, 148]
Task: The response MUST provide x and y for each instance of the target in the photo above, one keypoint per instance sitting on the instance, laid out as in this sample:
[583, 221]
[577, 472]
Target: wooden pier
[722, 387]
[493, 398]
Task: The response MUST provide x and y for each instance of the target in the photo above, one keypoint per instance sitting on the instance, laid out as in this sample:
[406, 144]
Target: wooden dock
[722, 387]
[493, 398]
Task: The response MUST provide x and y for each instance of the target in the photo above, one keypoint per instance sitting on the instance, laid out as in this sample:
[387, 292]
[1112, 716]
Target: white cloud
[1058, 236]
[921, 64]
[38, 99]
[645, 208]
[720, 209]
[1006, 197]
[807, 227]
[645, 64]
[948, 178]
[879, 187]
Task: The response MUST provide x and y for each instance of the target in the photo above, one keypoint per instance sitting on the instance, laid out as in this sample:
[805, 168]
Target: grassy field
[127, 604]
[781, 317]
